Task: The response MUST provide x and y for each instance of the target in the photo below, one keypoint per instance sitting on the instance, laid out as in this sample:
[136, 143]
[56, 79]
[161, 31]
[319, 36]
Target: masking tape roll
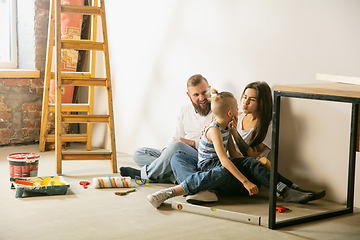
[265, 162]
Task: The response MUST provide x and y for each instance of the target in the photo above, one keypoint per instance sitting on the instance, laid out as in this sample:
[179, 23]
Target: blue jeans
[219, 178]
[155, 165]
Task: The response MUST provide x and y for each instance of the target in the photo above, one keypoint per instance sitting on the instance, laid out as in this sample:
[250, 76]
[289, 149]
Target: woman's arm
[245, 148]
[215, 136]
[232, 150]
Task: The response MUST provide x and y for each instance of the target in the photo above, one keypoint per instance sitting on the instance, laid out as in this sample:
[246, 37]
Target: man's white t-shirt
[190, 124]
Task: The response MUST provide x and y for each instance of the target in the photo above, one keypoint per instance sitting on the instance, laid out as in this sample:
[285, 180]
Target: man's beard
[202, 111]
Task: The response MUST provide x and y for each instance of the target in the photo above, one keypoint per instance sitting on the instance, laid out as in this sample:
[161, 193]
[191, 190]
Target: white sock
[171, 192]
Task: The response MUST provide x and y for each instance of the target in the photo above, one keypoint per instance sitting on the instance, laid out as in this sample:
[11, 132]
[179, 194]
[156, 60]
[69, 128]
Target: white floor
[100, 214]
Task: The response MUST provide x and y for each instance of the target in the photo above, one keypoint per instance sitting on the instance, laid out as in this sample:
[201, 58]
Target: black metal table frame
[273, 224]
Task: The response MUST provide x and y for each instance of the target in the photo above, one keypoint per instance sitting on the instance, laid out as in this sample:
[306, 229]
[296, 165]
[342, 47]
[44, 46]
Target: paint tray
[55, 185]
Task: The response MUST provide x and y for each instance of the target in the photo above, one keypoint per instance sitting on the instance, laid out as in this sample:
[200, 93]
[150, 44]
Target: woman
[253, 139]
[254, 136]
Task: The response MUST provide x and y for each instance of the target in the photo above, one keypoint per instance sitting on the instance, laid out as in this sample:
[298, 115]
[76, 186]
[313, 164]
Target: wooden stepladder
[87, 79]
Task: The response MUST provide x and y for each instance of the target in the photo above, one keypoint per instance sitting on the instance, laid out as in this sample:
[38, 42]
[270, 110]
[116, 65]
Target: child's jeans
[218, 177]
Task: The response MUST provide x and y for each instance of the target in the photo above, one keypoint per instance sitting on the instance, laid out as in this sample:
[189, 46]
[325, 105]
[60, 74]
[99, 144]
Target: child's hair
[221, 102]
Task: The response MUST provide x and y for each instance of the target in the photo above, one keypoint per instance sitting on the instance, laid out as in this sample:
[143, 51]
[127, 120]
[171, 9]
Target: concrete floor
[100, 214]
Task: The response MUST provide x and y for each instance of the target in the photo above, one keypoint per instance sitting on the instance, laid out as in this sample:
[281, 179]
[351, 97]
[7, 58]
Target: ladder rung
[86, 10]
[82, 45]
[86, 156]
[84, 82]
[68, 107]
[85, 118]
[67, 138]
[77, 75]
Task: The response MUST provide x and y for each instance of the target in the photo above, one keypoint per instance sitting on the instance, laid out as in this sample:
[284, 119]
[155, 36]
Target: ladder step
[68, 107]
[86, 156]
[77, 75]
[85, 118]
[100, 82]
[82, 45]
[86, 10]
[68, 138]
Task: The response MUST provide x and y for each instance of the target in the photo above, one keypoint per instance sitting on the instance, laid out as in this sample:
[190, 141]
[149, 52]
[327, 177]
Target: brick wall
[20, 110]
[21, 99]
[41, 31]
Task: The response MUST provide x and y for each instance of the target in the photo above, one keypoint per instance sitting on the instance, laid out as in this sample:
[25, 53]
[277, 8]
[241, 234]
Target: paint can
[23, 165]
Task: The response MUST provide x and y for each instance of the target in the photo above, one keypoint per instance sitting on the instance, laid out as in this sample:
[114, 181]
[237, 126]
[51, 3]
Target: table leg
[274, 158]
[352, 156]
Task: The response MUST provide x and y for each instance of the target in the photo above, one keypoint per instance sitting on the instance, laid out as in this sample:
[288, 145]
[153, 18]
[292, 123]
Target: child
[212, 153]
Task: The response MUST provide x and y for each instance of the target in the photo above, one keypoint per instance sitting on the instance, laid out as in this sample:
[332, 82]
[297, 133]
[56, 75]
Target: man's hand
[252, 188]
[191, 143]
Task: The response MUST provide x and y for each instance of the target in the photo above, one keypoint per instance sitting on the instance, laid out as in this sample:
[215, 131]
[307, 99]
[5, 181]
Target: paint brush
[23, 182]
[122, 193]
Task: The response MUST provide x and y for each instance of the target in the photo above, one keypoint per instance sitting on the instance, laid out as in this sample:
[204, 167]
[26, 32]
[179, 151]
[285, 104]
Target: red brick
[3, 141]
[39, 90]
[23, 82]
[35, 114]
[41, 16]
[42, 5]
[10, 82]
[38, 107]
[4, 133]
[29, 123]
[39, 50]
[33, 131]
[36, 82]
[37, 123]
[25, 132]
[3, 124]
[3, 107]
[41, 40]
[5, 115]
[29, 106]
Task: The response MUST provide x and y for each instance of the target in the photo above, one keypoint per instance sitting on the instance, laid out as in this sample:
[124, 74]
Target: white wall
[155, 46]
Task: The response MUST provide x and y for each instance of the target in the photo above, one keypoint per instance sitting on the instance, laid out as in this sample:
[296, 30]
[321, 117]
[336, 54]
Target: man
[155, 164]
